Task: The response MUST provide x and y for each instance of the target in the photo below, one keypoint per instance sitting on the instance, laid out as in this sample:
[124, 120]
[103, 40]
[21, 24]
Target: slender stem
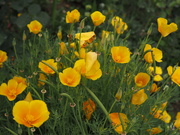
[109, 111]
[159, 41]
[14, 47]
[54, 13]
[36, 92]
[98, 102]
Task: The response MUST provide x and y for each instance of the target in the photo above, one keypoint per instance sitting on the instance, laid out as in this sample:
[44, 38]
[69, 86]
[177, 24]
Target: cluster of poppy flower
[88, 66]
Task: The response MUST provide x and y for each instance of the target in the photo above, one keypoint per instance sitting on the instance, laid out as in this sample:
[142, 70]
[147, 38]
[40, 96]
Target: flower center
[29, 119]
[118, 58]
[12, 92]
[69, 80]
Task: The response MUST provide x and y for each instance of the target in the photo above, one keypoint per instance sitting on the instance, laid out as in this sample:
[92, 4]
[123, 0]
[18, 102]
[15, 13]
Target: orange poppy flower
[89, 107]
[175, 74]
[35, 27]
[117, 121]
[139, 97]
[120, 54]
[155, 51]
[3, 57]
[73, 16]
[142, 79]
[70, 77]
[12, 89]
[30, 114]
[47, 69]
[97, 18]
[164, 28]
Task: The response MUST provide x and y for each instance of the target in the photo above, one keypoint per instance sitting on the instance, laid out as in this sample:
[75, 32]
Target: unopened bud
[24, 36]
[150, 29]
[14, 42]
[118, 94]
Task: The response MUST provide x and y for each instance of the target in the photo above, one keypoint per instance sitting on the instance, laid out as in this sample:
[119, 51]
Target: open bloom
[97, 18]
[120, 54]
[3, 57]
[142, 79]
[154, 130]
[156, 53]
[154, 88]
[175, 74]
[70, 77]
[89, 67]
[20, 79]
[117, 120]
[89, 107]
[177, 121]
[35, 27]
[157, 75]
[47, 69]
[30, 113]
[73, 16]
[161, 114]
[139, 97]
[12, 89]
[164, 28]
[119, 25]
[85, 38]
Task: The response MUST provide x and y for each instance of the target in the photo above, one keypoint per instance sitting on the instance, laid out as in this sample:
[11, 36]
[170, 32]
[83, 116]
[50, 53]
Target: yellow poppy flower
[73, 16]
[3, 57]
[142, 79]
[164, 28]
[35, 27]
[155, 130]
[97, 18]
[139, 97]
[120, 54]
[63, 48]
[30, 114]
[47, 69]
[156, 52]
[157, 75]
[162, 115]
[117, 120]
[119, 25]
[154, 88]
[12, 89]
[41, 77]
[175, 74]
[20, 79]
[177, 121]
[89, 67]
[70, 77]
[85, 38]
[89, 107]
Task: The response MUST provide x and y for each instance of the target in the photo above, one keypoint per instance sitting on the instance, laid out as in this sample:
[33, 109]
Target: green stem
[109, 111]
[159, 41]
[36, 92]
[54, 13]
[14, 47]
[51, 67]
[98, 102]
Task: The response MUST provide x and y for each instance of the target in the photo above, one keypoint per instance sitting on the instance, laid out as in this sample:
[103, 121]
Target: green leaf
[2, 37]
[43, 17]
[34, 9]
[23, 20]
